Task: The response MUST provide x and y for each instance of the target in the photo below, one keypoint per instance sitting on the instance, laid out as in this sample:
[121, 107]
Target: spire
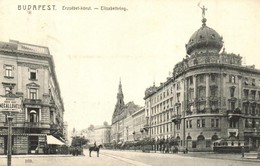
[120, 87]
[120, 95]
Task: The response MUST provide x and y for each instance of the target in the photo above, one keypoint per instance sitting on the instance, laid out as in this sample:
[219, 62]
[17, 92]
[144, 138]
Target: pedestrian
[186, 150]
[243, 151]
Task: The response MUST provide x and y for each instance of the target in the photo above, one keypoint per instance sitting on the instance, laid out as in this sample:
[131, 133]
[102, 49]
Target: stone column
[26, 114]
[239, 92]
[207, 93]
[194, 93]
[223, 93]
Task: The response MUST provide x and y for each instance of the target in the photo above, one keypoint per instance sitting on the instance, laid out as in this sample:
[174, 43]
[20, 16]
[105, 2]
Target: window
[253, 94]
[201, 78]
[203, 123]
[178, 97]
[190, 79]
[191, 94]
[202, 92]
[217, 122]
[33, 115]
[178, 126]
[32, 75]
[246, 92]
[232, 123]
[194, 143]
[213, 77]
[213, 91]
[232, 79]
[212, 122]
[190, 124]
[232, 105]
[232, 91]
[178, 86]
[198, 123]
[246, 81]
[8, 71]
[253, 82]
[33, 93]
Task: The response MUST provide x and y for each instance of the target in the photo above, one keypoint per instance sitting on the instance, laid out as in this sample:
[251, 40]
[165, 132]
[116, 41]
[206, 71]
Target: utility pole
[9, 141]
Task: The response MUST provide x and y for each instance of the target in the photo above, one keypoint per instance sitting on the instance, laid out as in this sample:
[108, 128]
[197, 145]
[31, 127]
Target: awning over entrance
[53, 141]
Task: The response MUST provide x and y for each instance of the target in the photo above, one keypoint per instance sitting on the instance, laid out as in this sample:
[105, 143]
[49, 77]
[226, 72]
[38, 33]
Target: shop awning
[53, 141]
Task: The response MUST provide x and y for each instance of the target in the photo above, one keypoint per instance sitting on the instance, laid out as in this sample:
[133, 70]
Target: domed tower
[204, 40]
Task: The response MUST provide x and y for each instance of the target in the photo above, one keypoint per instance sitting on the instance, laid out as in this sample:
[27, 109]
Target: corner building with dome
[210, 96]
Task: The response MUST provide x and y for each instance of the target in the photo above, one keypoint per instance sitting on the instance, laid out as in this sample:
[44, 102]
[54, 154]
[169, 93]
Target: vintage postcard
[129, 82]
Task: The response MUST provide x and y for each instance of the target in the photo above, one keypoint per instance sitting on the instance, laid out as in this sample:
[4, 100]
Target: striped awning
[53, 141]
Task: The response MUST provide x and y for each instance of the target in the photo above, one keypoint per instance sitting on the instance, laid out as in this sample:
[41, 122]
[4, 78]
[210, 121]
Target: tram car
[230, 146]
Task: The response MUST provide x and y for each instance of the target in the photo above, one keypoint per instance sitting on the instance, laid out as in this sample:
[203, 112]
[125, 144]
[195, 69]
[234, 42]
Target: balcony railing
[203, 111]
[214, 111]
[234, 114]
[176, 118]
[146, 127]
[32, 101]
[32, 124]
[188, 112]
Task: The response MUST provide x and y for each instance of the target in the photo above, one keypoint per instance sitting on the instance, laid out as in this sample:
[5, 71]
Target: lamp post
[9, 141]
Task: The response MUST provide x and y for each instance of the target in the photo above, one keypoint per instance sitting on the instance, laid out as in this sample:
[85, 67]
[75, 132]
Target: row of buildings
[99, 134]
[27, 73]
[210, 96]
[127, 121]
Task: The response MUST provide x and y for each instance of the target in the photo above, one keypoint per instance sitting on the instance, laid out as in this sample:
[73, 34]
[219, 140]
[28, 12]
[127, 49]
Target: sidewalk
[251, 157]
[39, 156]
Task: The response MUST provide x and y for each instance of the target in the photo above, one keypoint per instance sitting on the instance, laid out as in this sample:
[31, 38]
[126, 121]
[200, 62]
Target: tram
[230, 146]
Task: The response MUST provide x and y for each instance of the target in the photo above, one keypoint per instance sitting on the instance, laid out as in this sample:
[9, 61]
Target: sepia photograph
[129, 82]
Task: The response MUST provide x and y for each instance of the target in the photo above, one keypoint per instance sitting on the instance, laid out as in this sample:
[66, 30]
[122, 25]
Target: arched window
[33, 116]
[201, 138]
[214, 138]
[189, 138]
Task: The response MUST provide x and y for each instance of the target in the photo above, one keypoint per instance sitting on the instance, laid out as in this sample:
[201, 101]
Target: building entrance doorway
[33, 142]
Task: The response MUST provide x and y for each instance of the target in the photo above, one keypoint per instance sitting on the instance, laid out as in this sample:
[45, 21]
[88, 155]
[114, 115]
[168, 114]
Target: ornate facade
[210, 96]
[121, 119]
[28, 72]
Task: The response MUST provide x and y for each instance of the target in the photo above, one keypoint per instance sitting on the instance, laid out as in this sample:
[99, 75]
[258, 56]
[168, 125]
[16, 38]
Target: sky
[93, 49]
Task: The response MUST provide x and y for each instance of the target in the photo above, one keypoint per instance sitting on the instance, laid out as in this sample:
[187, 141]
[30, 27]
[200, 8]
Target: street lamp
[9, 141]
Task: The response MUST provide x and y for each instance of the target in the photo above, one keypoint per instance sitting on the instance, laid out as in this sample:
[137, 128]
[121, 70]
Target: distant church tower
[120, 100]
[120, 96]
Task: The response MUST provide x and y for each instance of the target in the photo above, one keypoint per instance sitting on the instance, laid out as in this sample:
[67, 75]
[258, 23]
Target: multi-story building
[120, 122]
[139, 125]
[102, 134]
[159, 108]
[28, 72]
[210, 96]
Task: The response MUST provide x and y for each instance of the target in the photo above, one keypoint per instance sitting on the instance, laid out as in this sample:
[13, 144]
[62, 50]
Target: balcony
[176, 118]
[234, 114]
[33, 101]
[214, 111]
[146, 127]
[202, 111]
[188, 112]
[32, 124]
[54, 126]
